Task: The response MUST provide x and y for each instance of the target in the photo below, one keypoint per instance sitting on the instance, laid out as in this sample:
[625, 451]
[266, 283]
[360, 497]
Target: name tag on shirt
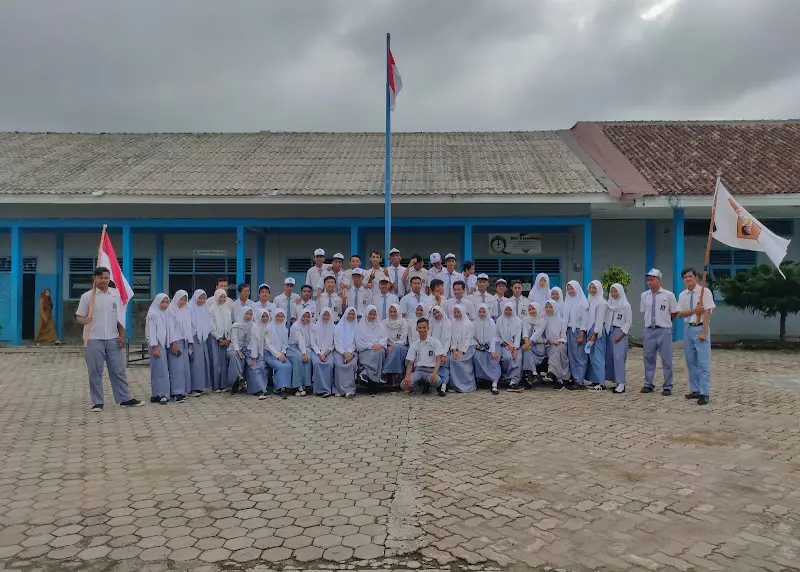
[114, 305]
[398, 336]
[619, 316]
[663, 307]
[430, 353]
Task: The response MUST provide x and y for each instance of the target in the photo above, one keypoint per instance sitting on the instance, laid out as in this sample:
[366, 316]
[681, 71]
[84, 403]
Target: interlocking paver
[572, 480]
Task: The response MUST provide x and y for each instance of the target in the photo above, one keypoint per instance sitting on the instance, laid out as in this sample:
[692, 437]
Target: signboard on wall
[211, 253]
[519, 243]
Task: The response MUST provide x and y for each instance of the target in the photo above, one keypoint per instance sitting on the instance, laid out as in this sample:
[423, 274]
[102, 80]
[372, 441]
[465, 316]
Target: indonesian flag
[737, 228]
[395, 81]
[108, 259]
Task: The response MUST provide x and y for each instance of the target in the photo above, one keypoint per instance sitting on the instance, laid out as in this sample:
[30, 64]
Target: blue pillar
[159, 285]
[15, 325]
[587, 252]
[649, 245]
[355, 240]
[240, 253]
[261, 277]
[58, 295]
[127, 271]
[467, 254]
[678, 250]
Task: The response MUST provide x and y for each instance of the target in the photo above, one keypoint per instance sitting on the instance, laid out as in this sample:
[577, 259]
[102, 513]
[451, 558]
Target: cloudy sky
[250, 65]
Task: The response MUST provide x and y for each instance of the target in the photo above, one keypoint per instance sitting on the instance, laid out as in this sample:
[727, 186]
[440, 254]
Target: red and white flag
[107, 258]
[395, 82]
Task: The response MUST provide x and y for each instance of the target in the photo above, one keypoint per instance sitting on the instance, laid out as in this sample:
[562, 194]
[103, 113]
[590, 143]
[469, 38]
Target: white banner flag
[737, 228]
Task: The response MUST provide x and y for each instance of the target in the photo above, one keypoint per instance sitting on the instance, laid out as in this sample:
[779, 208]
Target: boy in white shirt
[694, 306]
[409, 302]
[424, 359]
[384, 299]
[306, 302]
[659, 307]
[469, 277]
[330, 299]
[459, 297]
[500, 287]
[287, 300]
[416, 267]
[263, 299]
[358, 296]
[482, 296]
[314, 274]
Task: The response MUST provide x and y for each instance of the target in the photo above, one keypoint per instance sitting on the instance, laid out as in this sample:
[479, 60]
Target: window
[81, 270]
[191, 274]
[725, 263]
[522, 269]
[781, 227]
[29, 264]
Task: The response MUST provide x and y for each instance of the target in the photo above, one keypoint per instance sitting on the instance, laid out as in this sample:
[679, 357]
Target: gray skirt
[159, 374]
[180, 374]
[462, 372]
[485, 367]
[371, 362]
[557, 361]
[344, 374]
[395, 360]
[200, 366]
[322, 374]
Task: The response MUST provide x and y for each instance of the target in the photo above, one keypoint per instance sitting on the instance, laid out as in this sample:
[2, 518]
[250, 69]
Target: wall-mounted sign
[211, 253]
[515, 243]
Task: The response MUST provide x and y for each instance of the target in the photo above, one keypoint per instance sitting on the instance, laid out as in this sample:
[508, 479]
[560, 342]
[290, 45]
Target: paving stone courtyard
[541, 480]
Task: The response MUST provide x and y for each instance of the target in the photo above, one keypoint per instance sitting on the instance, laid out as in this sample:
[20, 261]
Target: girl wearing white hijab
[345, 356]
[395, 330]
[299, 353]
[462, 351]
[440, 329]
[619, 322]
[239, 348]
[179, 336]
[486, 361]
[371, 348]
[420, 311]
[322, 353]
[557, 296]
[576, 310]
[509, 332]
[533, 352]
[219, 340]
[596, 336]
[155, 331]
[277, 343]
[541, 289]
[555, 339]
[256, 370]
[199, 361]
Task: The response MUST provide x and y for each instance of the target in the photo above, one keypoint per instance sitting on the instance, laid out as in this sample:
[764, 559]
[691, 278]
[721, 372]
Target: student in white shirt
[375, 272]
[286, 302]
[450, 276]
[482, 296]
[336, 271]
[355, 262]
[263, 301]
[659, 307]
[620, 318]
[396, 272]
[423, 362]
[358, 296]
[470, 278]
[329, 298]
[437, 297]
[694, 306]
[500, 287]
[417, 296]
[384, 299]
[243, 301]
[436, 269]
[460, 298]
[416, 268]
[306, 302]
[314, 274]
[518, 302]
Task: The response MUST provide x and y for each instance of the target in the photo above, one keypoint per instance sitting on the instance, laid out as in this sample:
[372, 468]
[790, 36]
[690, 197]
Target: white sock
[494, 385]
[620, 388]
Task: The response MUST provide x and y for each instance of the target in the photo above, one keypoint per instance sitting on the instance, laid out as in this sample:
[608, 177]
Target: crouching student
[345, 356]
[156, 332]
[533, 351]
[619, 319]
[219, 340]
[199, 361]
[462, 350]
[371, 348]
[509, 332]
[322, 353]
[256, 369]
[237, 351]
[179, 336]
[596, 336]
[424, 362]
[277, 343]
[439, 327]
[298, 353]
[555, 338]
[395, 328]
[486, 361]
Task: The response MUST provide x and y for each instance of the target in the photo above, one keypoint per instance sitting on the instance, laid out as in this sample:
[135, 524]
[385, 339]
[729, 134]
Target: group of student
[420, 329]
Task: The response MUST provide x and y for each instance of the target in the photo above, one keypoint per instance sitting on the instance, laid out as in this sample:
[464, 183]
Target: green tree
[615, 274]
[762, 290]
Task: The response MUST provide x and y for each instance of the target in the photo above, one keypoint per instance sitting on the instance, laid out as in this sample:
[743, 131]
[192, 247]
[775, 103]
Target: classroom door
[30, 302]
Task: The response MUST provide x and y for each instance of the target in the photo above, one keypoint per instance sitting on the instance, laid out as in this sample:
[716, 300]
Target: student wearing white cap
[314, 274]
[384, 299]
[659, 307]
[500, 287]
[450, 276]
[416, 296]
[416, 267]
[335, 270]
[482, 296]
[358, 296]
[396, 272]
[263, 301]
[287, 300]
[436, 269]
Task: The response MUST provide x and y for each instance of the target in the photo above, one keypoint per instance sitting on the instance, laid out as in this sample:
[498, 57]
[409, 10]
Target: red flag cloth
[395, 82]
[108, 259]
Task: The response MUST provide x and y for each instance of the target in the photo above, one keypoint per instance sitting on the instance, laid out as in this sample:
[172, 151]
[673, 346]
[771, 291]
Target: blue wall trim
[240, 253]
[127, 270]
[15, 325]
[58, 294]
[678, 250]
[467, 249]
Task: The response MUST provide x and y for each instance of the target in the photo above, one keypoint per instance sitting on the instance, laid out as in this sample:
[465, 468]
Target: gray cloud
[205, 65]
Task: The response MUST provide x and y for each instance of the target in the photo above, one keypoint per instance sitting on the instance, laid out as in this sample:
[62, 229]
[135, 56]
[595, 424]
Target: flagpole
[387, 189]
[94, 288]
[704, 330]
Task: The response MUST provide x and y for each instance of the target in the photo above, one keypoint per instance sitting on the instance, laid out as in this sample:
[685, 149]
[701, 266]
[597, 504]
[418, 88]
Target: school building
[185, 208]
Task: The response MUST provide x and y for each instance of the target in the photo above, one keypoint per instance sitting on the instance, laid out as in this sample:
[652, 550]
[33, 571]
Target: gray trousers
[420, 377]
[98, 354]
[657, 341]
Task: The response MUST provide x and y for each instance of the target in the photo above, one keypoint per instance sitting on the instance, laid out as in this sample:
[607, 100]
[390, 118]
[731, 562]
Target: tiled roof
[290, 164]
[756, 157]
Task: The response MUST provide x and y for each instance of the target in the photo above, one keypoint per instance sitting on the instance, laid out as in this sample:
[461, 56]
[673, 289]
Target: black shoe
[558, 385]
[197, 392]
[647, 390]
[155, 399]
[178, 398]
[615, 390]
[441, 391]
[97, 408]
[666, 392]
[514, 389]
[703, 400]
[692, 395]
[554, 379]
[495, 391]
[576, 387]
[130, 403]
